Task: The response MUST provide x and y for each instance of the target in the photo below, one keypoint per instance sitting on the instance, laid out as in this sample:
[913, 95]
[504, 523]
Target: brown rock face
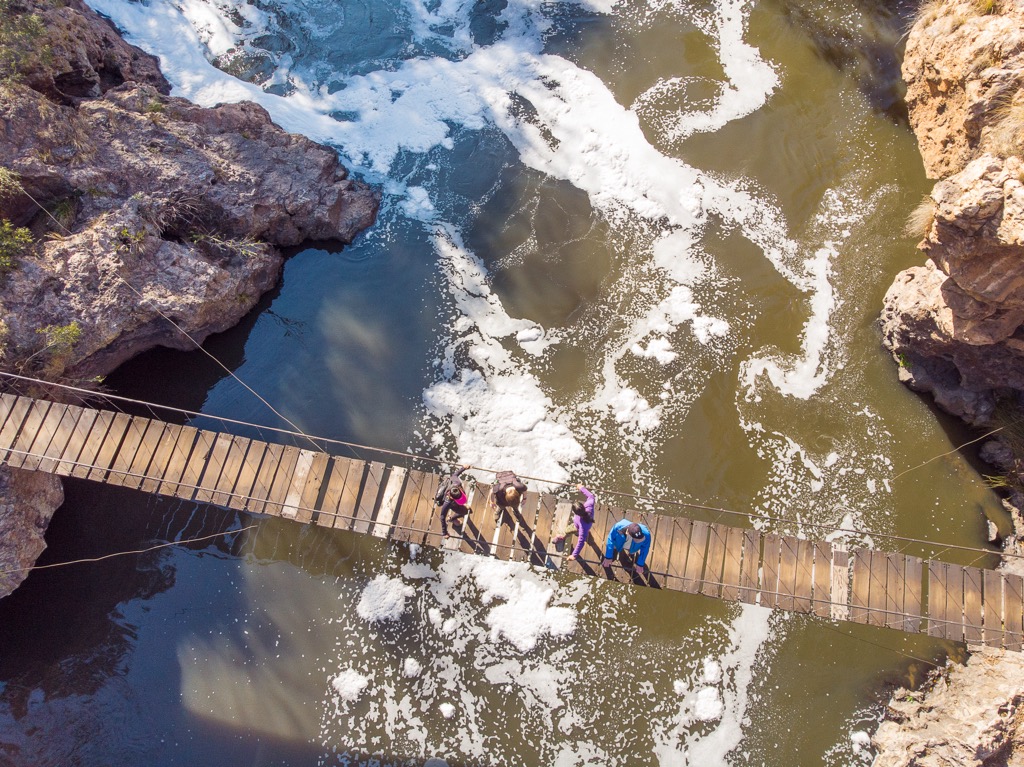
[955, 325]
[27, 502]
[143, 207]
[972, 716]
[157, 206]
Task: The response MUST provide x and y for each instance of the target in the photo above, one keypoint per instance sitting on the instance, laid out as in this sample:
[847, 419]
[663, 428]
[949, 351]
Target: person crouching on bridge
[455, 501]
[506, 493]
[638, 539]
[582, 521]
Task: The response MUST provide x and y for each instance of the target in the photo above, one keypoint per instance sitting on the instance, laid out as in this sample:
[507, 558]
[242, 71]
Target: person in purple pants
[582, 520]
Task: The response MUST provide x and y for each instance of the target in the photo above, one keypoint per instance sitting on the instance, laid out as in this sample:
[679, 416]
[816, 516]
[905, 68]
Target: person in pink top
[582, 520]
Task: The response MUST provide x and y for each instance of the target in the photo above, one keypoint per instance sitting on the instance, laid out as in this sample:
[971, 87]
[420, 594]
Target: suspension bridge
[309, 484]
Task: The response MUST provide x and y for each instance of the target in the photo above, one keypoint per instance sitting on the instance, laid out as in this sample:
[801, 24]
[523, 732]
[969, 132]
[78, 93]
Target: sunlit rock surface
[970, 717]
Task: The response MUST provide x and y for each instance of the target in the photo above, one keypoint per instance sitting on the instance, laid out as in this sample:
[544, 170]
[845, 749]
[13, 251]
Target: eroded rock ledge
[142, 206]
[955, 323]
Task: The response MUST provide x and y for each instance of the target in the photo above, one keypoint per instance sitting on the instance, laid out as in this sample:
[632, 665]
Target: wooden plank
[787, 571]
[12, 425]
[311, 490]
[526, 522]
[861, 586]
[293, 508]
[234, 460]
[802, 590]
[91, 444]
[840, 584]
[29, 432]
[546, 511]
[7, 401]
[878, 569]
[44, 435]
[711, 584]
[388, 509]
[937, 599]
[193, 470]
[160, 458]
[178, 461]
[400, 529]
[675, 568]
[955, 602]
[769, 586]
[750, 567]
[427, 522]
[698, 548]
[282, 481]
[992, 630]
[912, 595]
[822, 580]
[895, 568]
[138, 470]
[661, 549]
[62, 436]
[479, 528]
[733, 561]
[122, 460]
[1013, 610]
[368, 500]
[972, 605]
[73, 449]
[506, 529]
[108, 449]
[246, 496]
[343, 493]
[214, 467]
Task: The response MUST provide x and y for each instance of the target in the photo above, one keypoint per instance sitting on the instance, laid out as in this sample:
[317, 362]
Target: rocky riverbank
[956, 323]
[956, 328]
[122, 207]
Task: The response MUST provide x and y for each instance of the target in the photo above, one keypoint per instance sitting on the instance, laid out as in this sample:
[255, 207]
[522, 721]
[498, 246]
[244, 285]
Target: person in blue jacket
[634, 538]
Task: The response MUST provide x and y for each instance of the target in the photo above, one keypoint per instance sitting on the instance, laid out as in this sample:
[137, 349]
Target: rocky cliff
[122, 208]
[969, 717]
[955, 323]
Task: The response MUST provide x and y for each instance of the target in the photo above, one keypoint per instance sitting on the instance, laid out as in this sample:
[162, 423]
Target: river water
[638, 245]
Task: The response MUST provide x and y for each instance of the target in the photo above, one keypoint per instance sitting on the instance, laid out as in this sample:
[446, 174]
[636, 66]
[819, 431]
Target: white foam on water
[749, 79]
[349, 685]
[384, 599]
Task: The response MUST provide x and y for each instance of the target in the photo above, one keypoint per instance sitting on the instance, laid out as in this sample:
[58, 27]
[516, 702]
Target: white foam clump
[712, 671]
[349, 684]
[447, 710]
[525, 615]
[417, 571]
[659, 348]
[412, 668]
[860, 741]
[708, 706]
[383, 599]
[629, 407]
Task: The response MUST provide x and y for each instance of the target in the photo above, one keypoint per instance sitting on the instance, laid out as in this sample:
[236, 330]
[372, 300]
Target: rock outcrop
[970, 717]
[27, 502]
[955, 324]
[142, 208]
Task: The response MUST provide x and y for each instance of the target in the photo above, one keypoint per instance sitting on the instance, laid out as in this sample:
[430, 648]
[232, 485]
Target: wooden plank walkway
[896, 591]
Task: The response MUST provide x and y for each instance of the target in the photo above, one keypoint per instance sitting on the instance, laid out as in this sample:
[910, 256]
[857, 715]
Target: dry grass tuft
[919, 222]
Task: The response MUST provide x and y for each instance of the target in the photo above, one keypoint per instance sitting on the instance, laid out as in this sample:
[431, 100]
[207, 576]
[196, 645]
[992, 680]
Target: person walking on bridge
[455, 501]
[582, 521]
[507, 491]
[638, 539]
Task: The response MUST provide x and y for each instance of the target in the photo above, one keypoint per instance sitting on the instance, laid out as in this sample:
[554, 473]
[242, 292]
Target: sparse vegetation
[1006, 137]
[919, 222]
[20, 35]
[59, 341]
[130, 241]
[246, 247]
[986, 7]
[14, 241]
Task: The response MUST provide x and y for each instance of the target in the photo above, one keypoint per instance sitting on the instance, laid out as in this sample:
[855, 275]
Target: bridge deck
[720, 561]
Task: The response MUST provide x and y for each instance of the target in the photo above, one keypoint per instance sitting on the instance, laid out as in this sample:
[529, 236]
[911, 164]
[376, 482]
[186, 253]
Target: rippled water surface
[642, 246]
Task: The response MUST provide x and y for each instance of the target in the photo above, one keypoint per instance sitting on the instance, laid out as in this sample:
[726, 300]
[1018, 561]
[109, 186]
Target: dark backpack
[442, 491]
